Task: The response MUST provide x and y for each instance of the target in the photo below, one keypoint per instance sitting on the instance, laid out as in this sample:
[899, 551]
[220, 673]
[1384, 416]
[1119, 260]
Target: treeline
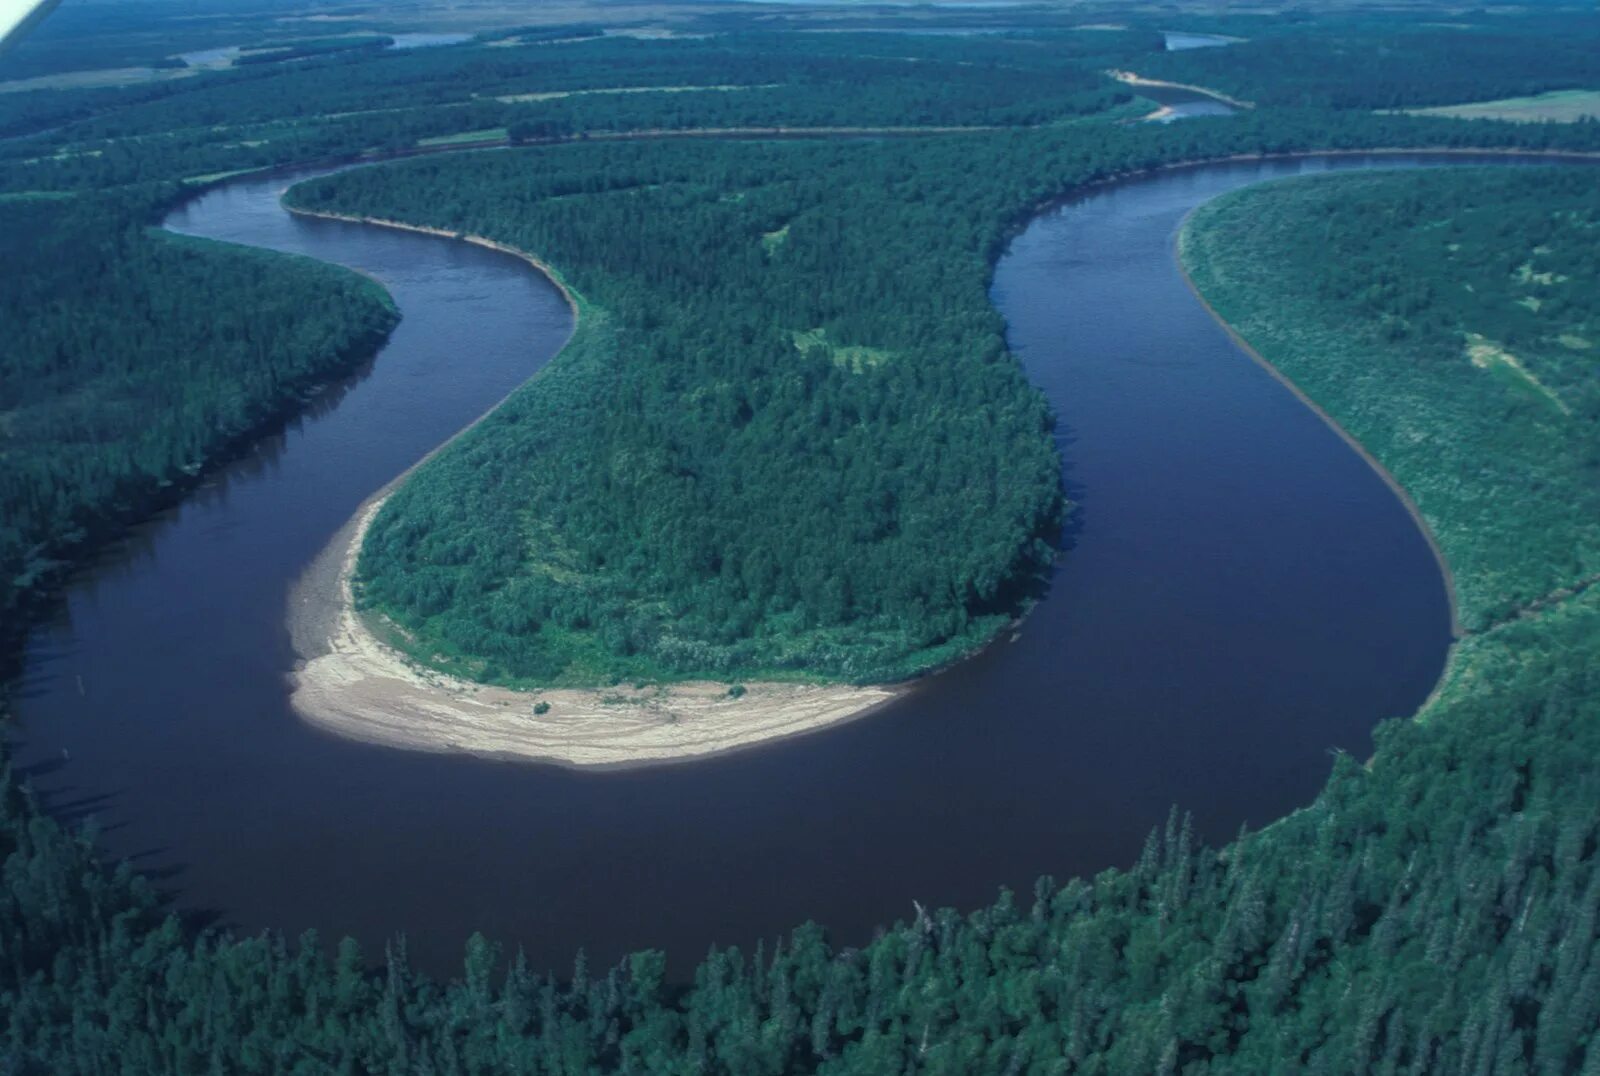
[303, 48]
[1475, 287]
[225, 121]
[134, 358]
[1376, 62]
[528, 34]
[463, 75]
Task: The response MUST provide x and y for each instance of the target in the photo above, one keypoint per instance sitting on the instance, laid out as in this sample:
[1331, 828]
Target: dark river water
[1242, 597]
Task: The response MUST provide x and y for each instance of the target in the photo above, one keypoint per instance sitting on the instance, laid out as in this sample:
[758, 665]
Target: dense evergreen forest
[133, 359]
[747, 463]
[816, 314]
[345, 103]
[748, 366]
[1389, 62]
[1491, 365]
[1432, 911]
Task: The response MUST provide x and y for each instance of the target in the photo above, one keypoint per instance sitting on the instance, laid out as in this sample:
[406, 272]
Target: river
[1242, 596]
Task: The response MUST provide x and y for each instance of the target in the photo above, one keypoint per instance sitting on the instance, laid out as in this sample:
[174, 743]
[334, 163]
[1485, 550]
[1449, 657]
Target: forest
[693, 446]
[1475, 286]
[832, 78]
[826, 340]
[704, 485]
[1377, 62]
[133, 360]
[1434, 910]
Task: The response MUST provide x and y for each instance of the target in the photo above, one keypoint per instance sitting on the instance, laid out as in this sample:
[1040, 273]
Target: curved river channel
[1242, 595]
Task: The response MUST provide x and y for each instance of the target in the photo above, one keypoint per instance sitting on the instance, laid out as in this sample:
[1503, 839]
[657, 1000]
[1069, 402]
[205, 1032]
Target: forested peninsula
[1433, 910]
[740, 467]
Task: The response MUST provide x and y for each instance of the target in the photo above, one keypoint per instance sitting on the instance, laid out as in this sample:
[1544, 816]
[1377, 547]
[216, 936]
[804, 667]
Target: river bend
[1243, 595]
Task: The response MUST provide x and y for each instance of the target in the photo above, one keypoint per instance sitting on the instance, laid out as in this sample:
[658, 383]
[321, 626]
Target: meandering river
[1242, 596]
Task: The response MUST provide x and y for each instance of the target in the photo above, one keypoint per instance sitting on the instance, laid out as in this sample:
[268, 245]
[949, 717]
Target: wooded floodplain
[1473, 286]
[133, 360]
[748, 461]
[788, 439]
[742, 466]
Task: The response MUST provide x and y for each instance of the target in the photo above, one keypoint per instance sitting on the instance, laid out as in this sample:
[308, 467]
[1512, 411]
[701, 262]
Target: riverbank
[1130, 78]
[1457, 629]
[352, 684]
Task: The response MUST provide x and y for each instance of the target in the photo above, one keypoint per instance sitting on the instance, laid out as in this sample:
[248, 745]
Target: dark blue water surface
[1244, 596]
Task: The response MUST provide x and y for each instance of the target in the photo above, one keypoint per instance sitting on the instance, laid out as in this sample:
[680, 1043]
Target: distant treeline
[321, 46]
[1395, 63]
[529, 34]
[132, 359]
[815, 80]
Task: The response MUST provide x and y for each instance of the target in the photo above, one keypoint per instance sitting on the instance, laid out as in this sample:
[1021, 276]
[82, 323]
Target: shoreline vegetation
[113, 409]
[1483, 353]
[1350, 440]
[352, 683]
[692, 550]
[1432, 910]
[471, 628]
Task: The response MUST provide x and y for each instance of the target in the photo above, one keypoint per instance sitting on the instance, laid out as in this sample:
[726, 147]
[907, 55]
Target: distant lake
[222, 57]
[423, 40]
[1178, 40]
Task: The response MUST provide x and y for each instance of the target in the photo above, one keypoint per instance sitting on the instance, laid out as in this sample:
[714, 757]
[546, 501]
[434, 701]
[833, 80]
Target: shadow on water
[1076, 493]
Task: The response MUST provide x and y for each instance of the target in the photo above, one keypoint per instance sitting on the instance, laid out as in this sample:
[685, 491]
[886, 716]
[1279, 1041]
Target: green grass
[1559, 106]
[462, 138]
[853, 357]
[773, 241]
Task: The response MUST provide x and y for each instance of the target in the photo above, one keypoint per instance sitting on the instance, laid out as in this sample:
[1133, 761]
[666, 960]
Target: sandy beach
[1131, 79]
[350, 683]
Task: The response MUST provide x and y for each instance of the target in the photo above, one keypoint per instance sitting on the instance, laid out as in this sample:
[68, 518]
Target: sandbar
[349, 682]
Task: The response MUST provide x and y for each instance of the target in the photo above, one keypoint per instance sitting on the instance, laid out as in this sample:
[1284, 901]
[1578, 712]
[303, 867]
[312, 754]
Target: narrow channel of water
[1243, 596]
[1182, 40]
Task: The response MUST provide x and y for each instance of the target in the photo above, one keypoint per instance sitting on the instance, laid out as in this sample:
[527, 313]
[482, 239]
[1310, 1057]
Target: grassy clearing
[463, 138]
[1559, 106]
[772, 242]
[852, 357]
[555, 95]
[1485, 354]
